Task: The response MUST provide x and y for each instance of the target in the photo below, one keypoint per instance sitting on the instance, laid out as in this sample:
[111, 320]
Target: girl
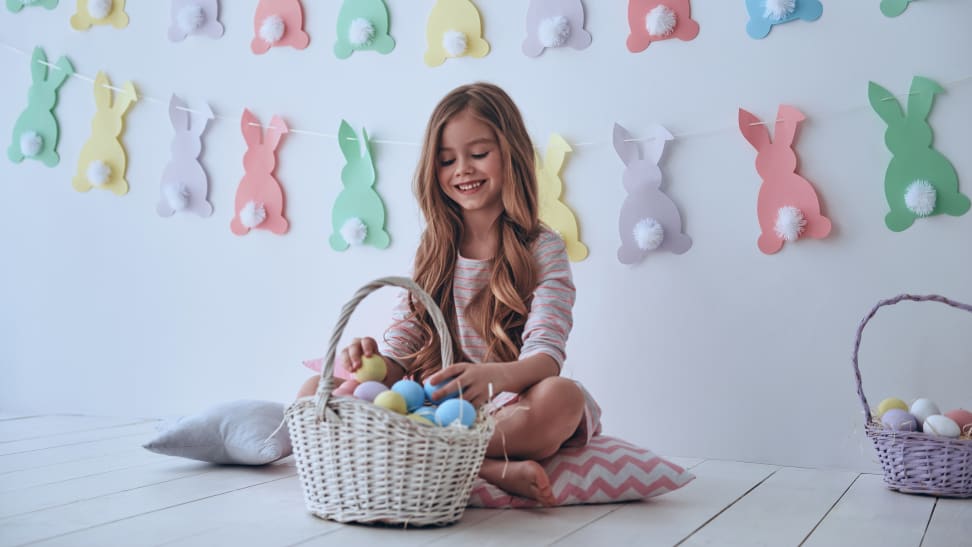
[503, 283]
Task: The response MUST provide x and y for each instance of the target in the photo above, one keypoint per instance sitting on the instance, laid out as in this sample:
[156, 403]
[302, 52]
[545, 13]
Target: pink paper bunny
[278, 23]
[788, 207]
[184, 182]
[259, 197]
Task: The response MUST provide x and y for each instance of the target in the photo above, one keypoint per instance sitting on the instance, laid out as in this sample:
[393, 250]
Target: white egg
[922, 409]
[943, 426]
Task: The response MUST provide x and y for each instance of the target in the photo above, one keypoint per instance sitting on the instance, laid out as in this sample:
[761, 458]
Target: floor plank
[527, 526]
[951, 524]
[83, 436]
[687, 463]
[870, 514]
[783, 510]
[87, 467]
[73, 452]
[40, 426]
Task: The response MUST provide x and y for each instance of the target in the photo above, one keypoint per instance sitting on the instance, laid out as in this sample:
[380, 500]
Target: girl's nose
[462, 167]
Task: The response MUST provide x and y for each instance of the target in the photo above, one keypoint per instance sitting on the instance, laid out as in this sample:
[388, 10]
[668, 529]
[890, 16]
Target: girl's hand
[358, 348]
[474, 379]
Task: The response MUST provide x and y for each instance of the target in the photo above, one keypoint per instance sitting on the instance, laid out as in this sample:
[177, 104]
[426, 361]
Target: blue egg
[412, 392]
[430, 389]
[427, 412]
[455, 410]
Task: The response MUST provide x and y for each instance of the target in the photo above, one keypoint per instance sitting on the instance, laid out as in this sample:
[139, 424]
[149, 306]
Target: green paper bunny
[916, 169]
[17, 5]
[35, 133]
[362, 25]
[894, 8]
[358, 217]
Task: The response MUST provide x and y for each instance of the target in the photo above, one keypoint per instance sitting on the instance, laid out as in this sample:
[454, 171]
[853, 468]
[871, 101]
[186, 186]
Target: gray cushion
[239, 432]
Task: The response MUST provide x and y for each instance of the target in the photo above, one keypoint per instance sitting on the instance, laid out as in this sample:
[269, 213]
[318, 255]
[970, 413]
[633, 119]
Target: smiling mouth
[470, 186]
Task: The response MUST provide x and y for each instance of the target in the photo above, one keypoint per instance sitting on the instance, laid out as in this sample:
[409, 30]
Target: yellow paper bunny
[455, 29]
[554, 212]
[102, 161]
[99, 12]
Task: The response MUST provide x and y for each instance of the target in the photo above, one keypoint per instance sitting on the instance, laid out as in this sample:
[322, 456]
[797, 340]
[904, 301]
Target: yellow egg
[372, 369]
[391, 400]
[889, 403]
[418, 418]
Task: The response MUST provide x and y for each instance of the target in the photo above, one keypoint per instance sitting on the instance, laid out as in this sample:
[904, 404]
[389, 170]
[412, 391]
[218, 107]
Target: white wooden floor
[79, 481]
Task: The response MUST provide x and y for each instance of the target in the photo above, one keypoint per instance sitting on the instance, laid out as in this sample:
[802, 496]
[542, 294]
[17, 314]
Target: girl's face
[469, 166]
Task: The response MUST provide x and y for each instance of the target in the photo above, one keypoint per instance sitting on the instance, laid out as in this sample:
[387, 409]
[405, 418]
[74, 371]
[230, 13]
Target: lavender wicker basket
[915, 462]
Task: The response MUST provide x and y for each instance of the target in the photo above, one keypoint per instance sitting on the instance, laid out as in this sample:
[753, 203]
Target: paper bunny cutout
[99, 12]
[362, 25]
[763, 14]
[16, 5]
[554, 212]
[102, 163]
[358, 217]
[259, 197]
[195, 17]
[555, 23]
[919, 181]
[185, 184]
[787, 206]
[894, 8]
[278, 23]
[653, 20]
[35, 134]
[649, 218]
[455, 29]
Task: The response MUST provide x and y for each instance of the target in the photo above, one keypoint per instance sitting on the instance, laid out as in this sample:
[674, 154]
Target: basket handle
[860, 331]
[326, 385]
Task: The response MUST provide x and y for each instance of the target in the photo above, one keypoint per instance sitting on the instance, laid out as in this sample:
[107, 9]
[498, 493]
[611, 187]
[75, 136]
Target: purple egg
[899, 420]
[367, 391]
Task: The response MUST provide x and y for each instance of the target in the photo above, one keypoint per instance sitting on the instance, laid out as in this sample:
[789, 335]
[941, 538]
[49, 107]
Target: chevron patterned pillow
[607, 470]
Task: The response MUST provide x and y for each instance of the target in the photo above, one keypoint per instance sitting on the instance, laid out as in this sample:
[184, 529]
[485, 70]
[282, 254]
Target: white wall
[722, 352]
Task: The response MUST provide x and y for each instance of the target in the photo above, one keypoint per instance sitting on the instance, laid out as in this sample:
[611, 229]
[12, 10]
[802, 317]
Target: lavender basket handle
[860, 331]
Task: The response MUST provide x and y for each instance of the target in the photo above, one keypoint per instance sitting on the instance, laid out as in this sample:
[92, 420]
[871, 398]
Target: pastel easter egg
[412, 392]
[392, 400]
[430, 389]
[367, 391]
[963, 418]
[455, 410]
[889, 403]
[419, 419]
[899, 420]
[921, 409]
[941, 426]
[372, 368]
[346, 389]
[427, 412]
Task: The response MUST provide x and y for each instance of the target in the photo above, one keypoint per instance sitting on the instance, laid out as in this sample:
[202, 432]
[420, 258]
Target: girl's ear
[250, 126]
[655, 146]
[38, 66]
[348, 142]
[786, 124]
[627, 149]
[922, 96]
[278, 127]
[753, 130]
[885, 104]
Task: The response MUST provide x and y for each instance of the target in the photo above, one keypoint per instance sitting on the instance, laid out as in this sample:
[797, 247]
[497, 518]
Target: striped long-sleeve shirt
[548, 323]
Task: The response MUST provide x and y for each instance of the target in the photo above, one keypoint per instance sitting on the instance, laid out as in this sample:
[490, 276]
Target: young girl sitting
[503, 283]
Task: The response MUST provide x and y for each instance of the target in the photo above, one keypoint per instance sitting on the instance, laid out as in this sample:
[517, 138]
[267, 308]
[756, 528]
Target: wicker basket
[917, 463]
[361, 463]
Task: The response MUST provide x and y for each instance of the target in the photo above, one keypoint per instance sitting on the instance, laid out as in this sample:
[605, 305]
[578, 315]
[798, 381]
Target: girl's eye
[480, 156]
[446, 163]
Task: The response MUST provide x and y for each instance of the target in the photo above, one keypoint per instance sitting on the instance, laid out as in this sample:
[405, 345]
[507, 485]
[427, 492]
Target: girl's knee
[309, 387]
[561, 392]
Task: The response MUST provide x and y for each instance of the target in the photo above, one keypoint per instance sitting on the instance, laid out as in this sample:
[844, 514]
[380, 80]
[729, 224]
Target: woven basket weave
[361, 463]
[914, 462]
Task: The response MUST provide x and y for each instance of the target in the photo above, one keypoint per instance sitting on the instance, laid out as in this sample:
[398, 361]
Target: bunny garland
[16, 5]
[553, 211]
[653, 20]
[197, 17]
[358, 217]
[649, 218]
[764, 14]
[102, 163]
[259, 197]
[555, 23]
[363, 25]
[894, 8]
[185, 183]
[919, 181]
[455, 29]
[787, 207]
[35, 133]
[99, 12]
[278, 23]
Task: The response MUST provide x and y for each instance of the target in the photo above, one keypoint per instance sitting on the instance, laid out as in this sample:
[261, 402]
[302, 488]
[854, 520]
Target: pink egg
[963, 418]
[346, 389]
[367, 391]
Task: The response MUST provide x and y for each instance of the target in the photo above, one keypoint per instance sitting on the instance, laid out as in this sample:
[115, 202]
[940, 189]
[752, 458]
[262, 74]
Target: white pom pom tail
[176, 195]
[99, 9]
[554, 31]
[252, 214]
[790, 223]
[98, 173]
[31, 143]
[361, 32]
[920, 197]
[660, 21]
[191, 18]
[648, 234]
[779, 9]
[454, 42]
[354, 231]
[272, 29]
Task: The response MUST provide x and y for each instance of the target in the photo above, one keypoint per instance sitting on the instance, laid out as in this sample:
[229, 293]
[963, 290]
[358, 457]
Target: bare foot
[524, 478]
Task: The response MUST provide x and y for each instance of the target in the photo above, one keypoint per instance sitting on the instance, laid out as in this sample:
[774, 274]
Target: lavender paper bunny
[649, 218]
[195, 17]
[555, 23]
[185, 184]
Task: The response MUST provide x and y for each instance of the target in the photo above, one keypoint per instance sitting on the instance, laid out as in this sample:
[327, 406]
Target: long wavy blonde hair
[498, 313]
